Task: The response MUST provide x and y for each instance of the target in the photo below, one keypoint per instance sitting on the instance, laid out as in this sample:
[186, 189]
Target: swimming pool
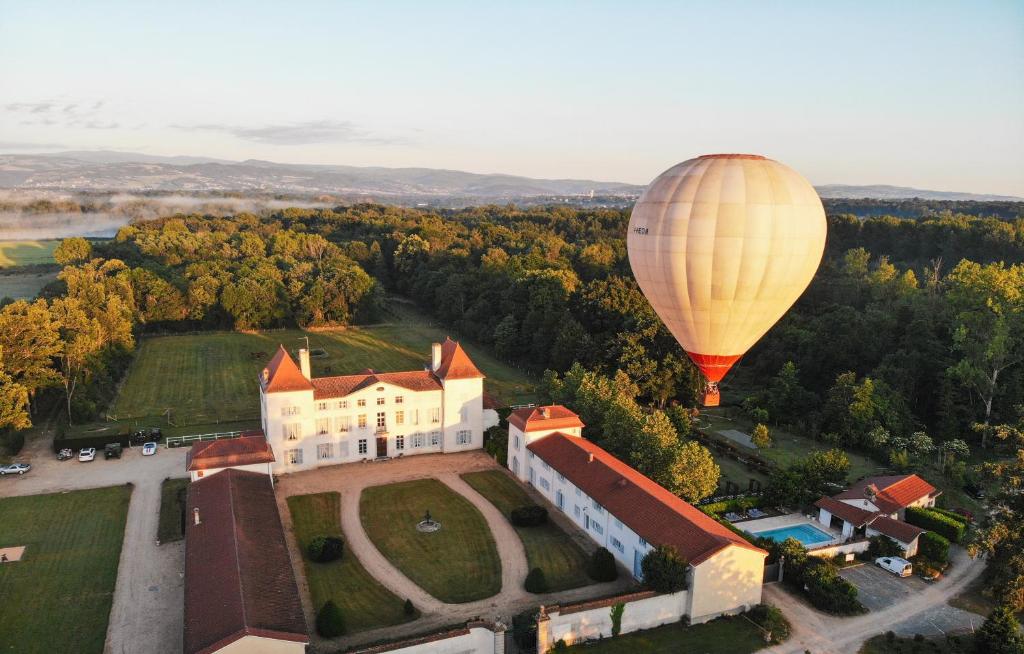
[806, 533]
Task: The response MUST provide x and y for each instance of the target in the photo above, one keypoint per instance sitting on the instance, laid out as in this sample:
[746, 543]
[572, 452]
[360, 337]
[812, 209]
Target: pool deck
[789, 520]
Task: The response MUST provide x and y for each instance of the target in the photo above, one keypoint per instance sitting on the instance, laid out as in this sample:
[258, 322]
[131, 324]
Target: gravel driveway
[147, 612]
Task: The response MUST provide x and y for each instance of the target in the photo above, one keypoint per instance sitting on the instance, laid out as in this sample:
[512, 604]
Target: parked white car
[149, 449]
[15, 469]
[87, 454]
[896, 565]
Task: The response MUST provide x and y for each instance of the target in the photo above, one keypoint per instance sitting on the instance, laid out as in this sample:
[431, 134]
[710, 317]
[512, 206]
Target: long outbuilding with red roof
[630, 514]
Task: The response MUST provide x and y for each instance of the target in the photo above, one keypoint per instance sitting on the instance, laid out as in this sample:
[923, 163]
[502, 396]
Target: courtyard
[473, 567]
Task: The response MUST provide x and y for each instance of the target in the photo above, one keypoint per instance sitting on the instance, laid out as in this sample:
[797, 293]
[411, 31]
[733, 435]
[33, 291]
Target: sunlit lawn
[364, 603]
[58, 597]
[459, 563]
[173, 496]
[26, 253]
[547, 546]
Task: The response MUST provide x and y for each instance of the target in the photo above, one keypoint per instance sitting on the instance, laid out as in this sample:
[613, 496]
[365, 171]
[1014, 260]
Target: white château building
[629, 514]
[313, 421]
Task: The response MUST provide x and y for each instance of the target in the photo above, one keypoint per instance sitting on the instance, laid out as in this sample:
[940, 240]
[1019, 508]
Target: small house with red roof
[312, 421]
[877, 506]
[250, 451]
[629, 514]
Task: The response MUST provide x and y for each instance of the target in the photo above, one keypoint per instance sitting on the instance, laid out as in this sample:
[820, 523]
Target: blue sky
[926, 94]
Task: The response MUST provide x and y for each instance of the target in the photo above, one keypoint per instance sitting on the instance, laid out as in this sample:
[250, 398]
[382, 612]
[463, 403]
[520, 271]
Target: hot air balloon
[722, 246]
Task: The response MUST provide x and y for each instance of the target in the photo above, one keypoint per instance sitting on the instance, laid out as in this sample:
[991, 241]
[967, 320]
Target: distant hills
[103, 170]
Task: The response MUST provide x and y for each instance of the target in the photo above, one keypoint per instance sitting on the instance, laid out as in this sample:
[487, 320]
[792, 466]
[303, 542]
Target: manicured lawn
[211, 378]
[364, 603]
[25, 253]
[457, 564]
[547, 546]
[962, 644]
[173, 494]
[723, 636]
[58, 597]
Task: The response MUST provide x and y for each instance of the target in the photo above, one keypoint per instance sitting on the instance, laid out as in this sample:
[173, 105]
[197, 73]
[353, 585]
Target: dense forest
[907, 346]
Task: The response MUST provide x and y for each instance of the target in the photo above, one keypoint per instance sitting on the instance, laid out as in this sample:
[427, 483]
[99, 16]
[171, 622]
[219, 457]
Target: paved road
[351, 479]
[147, 615]
[923, 611]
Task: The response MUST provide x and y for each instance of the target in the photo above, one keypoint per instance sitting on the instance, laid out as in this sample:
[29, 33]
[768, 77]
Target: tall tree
[30, 341]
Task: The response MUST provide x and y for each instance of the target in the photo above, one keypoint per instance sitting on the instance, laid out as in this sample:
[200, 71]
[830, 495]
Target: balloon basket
[712, 396]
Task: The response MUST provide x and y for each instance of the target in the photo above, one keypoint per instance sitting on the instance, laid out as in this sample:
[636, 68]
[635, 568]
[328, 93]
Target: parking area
[878, 589]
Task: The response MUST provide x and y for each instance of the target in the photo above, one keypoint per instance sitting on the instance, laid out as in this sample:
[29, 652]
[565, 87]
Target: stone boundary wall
[590, 620]
[476, 637]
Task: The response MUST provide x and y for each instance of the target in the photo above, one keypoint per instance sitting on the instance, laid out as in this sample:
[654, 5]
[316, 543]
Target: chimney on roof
[545, 412]
[304, 363]
[195, 516]
[590, 458]
[435, 357]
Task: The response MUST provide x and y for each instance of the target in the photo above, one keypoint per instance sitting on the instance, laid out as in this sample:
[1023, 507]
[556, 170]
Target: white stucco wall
[259, 645]
[263, 468]
[457, 407]
[576, 626]
[727, 582]
[479, 640]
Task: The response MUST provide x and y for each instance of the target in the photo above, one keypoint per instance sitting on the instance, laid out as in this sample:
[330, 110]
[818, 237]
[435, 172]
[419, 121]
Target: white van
[896, 565]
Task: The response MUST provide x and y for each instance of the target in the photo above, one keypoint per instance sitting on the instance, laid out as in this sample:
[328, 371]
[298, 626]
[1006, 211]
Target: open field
[547, 546]
[173, 495]
[58, 597]
[211, 378]
[734, 635]
[365, 603]
[457, 564]
[24, 283]
[26, 253]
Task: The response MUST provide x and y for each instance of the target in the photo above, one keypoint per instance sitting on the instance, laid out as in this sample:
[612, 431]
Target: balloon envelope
[722, 246]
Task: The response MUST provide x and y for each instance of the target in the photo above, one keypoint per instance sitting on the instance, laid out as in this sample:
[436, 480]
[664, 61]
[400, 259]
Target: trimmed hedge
[324, 549]
[952, 514]
[536, 582]
[529, 516]
[934, 547]
[932, 520]
[827, 591]
[330, 623]
[738, 504]
[601, 566]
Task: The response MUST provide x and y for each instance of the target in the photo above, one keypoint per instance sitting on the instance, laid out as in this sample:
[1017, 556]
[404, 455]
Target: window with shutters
[325, 451]
[292, 431]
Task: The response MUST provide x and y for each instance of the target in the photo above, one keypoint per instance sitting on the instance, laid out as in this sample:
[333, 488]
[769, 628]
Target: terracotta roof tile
[416, 380]
[655, 514]
[896, 529]
[553, 416]
[245, 450]
[238, 577]
[856, 516]
[282, 374]
[455, 363]
[892, 493]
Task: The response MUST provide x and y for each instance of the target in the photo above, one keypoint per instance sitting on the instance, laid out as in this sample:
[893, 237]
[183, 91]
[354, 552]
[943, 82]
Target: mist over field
[36, 215]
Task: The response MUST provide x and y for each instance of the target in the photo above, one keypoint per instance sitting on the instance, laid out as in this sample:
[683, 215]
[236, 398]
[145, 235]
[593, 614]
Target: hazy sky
[927, 94]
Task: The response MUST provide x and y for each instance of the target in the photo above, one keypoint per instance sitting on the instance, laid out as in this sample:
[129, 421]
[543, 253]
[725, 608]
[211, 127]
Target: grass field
[723, 636]
[206, 379]
[457, 564]
[25, 283]
[26, 253]
[963, 644]
[173, 495]
[58, 597]
[364, 603]
[547, 546]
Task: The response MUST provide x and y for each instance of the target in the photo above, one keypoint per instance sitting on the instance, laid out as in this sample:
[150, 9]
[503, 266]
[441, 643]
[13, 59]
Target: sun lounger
[733, 517]
[756, 513]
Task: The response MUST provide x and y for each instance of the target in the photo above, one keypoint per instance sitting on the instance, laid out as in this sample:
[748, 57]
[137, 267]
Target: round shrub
[529, 516]
[771, 620]
[324, 549]
[601, 566]
[409, 609]
[330, 623]
[536, 582]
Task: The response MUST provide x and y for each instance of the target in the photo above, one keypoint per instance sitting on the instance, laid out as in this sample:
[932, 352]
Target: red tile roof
[901, 531]
[417, 380]
[554, 416]
[891, 493]
[282, 374]
[655, 514]
[491, 402]
[455, 363]
[238, 577]
[247, 449]
[856, 516]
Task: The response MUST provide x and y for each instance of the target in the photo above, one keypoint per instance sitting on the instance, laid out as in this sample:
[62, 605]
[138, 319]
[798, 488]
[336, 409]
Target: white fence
[475, 638]
[179, 441]
[591, 620]
[854, 547]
